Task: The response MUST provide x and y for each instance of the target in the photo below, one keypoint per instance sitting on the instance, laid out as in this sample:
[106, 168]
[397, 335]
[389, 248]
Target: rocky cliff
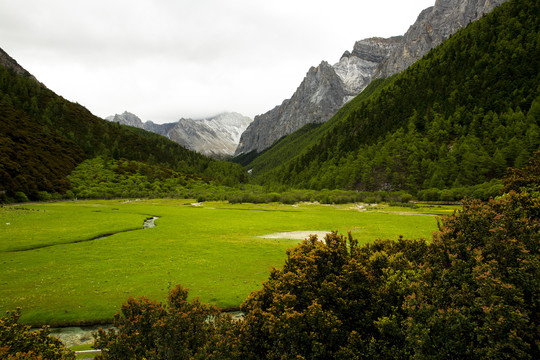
[317, 97]
[326, 88]
[434, 25]
[356, 68]
[217, 136]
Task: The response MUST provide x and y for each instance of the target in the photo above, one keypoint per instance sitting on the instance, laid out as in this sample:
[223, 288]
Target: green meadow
[52, 270]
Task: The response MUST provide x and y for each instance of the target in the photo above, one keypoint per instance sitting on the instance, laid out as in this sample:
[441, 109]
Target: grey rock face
[161, 129]
[434, 25]
[216, 137]
[316, 99]
[326, 88]
[128, 119]
[357, 69]
[9, 63]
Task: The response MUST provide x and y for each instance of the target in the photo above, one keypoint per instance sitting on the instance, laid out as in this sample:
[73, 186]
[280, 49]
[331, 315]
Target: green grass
[57, 223]
[213, 250]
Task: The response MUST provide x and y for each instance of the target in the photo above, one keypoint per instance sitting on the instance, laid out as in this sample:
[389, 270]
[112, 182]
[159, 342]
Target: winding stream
[148, 223]
[73, 336]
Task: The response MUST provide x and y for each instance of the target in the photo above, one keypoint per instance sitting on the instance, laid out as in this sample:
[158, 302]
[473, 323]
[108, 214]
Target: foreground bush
[19, 342]
[150, 330]
[333, 300]
[474, 292]
[477, 294]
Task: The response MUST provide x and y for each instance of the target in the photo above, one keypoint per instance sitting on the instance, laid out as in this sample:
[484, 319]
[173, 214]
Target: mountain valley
[417, 157]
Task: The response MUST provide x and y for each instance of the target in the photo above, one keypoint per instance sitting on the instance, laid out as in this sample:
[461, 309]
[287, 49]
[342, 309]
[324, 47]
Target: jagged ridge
[217, 136]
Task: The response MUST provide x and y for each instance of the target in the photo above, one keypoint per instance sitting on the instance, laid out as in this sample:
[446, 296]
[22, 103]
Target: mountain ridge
[10, 63]
[372, 58]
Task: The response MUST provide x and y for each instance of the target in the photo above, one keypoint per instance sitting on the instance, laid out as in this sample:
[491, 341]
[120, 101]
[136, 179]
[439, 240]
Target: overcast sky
[167, 59]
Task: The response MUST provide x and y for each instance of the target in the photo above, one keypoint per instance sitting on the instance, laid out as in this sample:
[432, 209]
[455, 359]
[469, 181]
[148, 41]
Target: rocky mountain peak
[357, 70]
[346, 54]
[326, 88]
[126, 118]
[375, 49]
[319, 95]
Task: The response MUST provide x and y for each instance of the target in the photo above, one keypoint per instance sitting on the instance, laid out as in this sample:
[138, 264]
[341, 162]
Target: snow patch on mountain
[217, 136]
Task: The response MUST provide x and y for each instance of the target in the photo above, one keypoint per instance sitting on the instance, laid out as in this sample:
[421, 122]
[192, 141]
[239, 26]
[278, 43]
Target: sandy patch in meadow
[296, 235]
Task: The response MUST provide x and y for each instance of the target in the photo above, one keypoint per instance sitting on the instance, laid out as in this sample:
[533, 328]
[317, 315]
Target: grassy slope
[213, 250]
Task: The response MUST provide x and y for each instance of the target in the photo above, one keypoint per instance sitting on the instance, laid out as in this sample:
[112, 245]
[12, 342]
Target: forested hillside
[31, 159]
[44, 137]
[459, 117]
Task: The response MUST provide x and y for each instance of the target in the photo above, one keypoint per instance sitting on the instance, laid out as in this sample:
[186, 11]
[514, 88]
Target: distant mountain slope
[217, 136]
[36, 121]
[458, 117]
[326, 88]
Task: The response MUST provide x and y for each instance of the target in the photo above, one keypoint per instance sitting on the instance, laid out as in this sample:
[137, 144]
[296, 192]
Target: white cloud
[163, 60]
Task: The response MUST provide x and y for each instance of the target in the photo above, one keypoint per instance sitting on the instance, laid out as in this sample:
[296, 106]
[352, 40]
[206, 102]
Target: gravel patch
[296, 235]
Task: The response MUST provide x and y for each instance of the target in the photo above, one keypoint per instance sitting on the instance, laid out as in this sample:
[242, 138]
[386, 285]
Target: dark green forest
[458, 117]
[44, 137]
[31, 160]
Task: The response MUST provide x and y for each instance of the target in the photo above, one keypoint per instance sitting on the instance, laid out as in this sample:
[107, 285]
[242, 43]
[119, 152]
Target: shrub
[44, 196]
[331, 300]
[447, 195]
[477, 292]
[20, 197]
[20, 342]
[148, 329]
[429, 194]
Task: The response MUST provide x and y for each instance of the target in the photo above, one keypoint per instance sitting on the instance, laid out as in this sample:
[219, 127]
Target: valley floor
[215, 249]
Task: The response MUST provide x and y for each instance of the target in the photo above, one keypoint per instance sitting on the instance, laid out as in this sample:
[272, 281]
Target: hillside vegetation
[459, 117]
[45, 136]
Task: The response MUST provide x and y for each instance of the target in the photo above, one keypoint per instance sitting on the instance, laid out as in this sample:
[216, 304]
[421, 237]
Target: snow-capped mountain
[217, 136]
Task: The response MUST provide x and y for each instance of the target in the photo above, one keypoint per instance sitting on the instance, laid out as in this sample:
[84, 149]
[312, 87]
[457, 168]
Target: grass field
[57, 278]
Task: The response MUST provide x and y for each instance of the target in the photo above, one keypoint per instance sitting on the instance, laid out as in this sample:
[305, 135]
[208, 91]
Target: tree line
[107, 178]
